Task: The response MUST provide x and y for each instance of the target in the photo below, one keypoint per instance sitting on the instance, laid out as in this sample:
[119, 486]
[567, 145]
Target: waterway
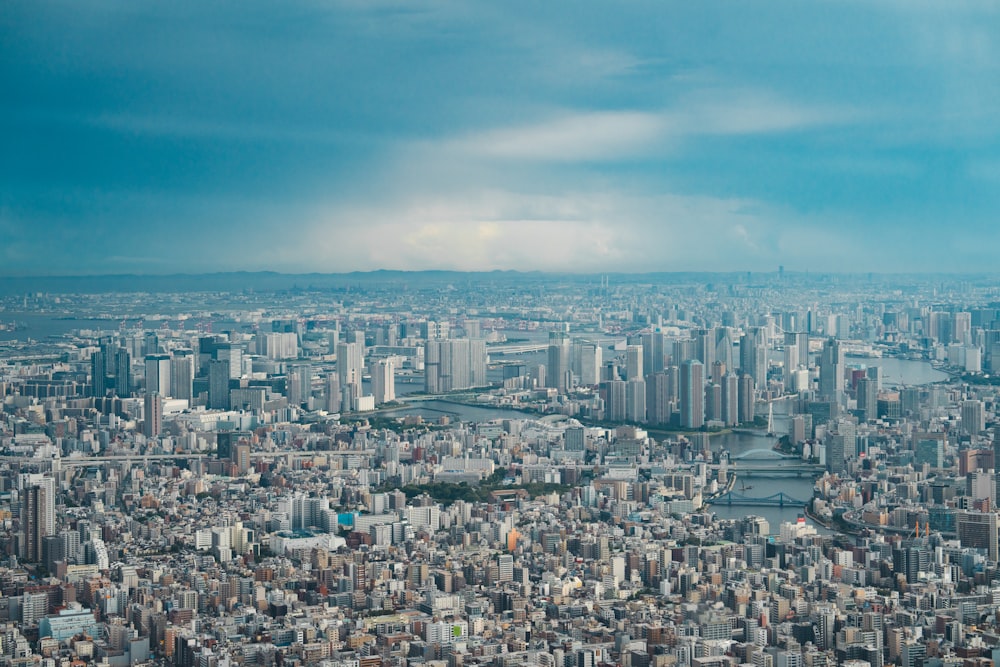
[800, 488]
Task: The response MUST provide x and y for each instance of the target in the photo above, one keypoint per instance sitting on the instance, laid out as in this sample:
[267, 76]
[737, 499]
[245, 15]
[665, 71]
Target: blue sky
[311, 135]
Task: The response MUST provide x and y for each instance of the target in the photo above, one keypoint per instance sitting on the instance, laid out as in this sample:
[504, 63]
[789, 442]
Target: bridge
[774, 500]
[761, 455]
[517, 349]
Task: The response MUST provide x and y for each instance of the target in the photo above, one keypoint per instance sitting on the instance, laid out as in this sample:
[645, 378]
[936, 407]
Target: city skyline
[351, 136]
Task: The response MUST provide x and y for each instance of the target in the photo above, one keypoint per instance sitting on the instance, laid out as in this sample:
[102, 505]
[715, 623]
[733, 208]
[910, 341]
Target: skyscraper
[158, 374]
[652, 352]
[383, 381]
[350, 365]
[182, 375]
[635, 400]
[557, 372]
[730, 399]
[37, 516]
[587, 360]
[753, 356]
[831, 370]
[692, 399]
[867, 397]
[111, 370]
[973, 417]
[218, 384]
[152, 415]
[657, 399]
[633, 362]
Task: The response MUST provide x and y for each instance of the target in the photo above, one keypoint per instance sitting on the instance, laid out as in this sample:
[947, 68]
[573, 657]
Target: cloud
[574, 136]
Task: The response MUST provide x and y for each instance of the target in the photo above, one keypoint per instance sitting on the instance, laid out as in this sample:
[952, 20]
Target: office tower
[298, 384]
[350, 366]
[836, 453]
[929, 449]
[978, 530]
[557, 371]
[587, 360]
[152, 415]
[150, 343]
[692, 398]
[574, 439]
[332, 392]
[790, 363]
[614, 400]
[383, 381]
[867, 397]
[182, 375]
[455, 363]
[158, 374]
[717, 372]
[635, 400]
[683, 350]
[111, 370]
[704, 347]
[218, 384]
[653, 352]
[234, 355]
[730, 399]
[973, 417]
[658, 399]
[724, 342]
[478, 361]
[753, 356]
[831, 370]
[713, 402]
[37, 516]
[745, 408]
[633, 362]
[240, 457]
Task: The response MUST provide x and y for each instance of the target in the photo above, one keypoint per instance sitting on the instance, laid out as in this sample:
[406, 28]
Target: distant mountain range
[270, 281]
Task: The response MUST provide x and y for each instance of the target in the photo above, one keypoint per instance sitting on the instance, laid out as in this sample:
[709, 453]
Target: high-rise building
[652, 352]
[298, 384]
[333, 393]
[587, 360]
[692, 390]
[973, 417]
[658, 403]
[730, 399]
[350, 365]
[557, 372]
[111, 370]
[455, 363]
[713, 402]
[383, 381]
[182, 375]
[753, 356]
[234, 355]
[635, 400]
[745, 396]
[218, 384]
[158, 374]
[574, 439]
[152, 415]
[831, 370]
[614, 394]
[724, 342]
[37, 515]
[979, 531]
[867, 397]
[633, 362]
[704, 347]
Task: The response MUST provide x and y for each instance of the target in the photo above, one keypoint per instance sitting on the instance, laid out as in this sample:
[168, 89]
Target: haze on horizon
[562, 136]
